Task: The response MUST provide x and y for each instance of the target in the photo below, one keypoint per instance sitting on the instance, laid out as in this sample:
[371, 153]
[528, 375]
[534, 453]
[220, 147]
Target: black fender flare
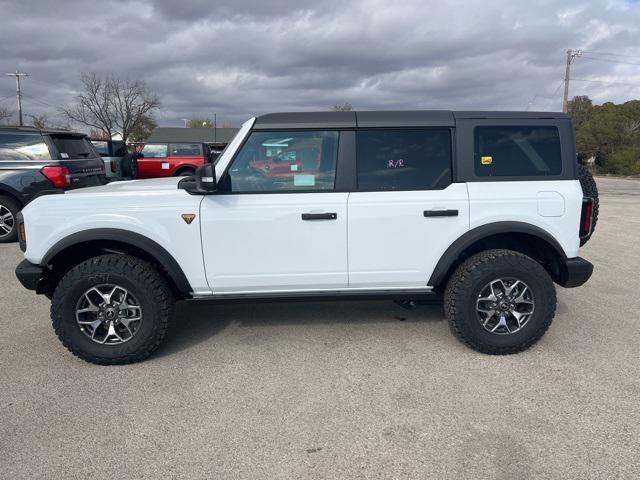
[463, 242]
[164, 258]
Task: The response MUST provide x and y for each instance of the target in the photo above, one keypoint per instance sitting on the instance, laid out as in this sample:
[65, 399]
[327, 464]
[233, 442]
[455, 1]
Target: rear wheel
[8, 225]
[500, 302]
[589, 189]
[112, 309]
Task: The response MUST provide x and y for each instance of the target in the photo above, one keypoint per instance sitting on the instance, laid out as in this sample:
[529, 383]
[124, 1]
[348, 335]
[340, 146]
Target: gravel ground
[337, 390]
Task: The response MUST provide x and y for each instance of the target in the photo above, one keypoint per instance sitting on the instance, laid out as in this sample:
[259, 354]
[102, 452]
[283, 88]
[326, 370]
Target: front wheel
[500, 302]
[185, 172]
[112, 309]
[8, 224]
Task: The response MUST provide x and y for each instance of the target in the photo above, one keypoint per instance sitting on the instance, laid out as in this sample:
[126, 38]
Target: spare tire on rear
[589, 189]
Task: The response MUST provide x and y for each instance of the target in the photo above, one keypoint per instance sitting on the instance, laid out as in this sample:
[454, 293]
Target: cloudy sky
[239, 58]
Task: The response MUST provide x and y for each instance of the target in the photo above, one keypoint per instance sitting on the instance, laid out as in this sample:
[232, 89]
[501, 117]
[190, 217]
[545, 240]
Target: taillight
[59, 176]
[586, 219]
[113, 167]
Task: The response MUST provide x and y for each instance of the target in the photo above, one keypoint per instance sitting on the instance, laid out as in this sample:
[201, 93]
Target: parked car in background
[171, 159]
[34, 161]
[118, 162]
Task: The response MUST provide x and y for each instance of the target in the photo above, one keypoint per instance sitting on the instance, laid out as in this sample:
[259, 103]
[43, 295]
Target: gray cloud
[245, 57]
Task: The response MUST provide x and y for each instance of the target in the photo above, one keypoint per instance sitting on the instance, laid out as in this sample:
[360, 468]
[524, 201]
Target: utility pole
[215, 127]
[571, 55]
[17, 74]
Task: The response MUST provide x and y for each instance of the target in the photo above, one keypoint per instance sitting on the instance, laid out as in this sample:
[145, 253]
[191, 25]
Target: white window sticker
[294, 168]
[64, 155]
[304, 180]
[165, 165]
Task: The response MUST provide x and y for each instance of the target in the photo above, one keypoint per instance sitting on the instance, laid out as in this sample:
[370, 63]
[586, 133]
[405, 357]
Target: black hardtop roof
[388, 118]
[41, 131]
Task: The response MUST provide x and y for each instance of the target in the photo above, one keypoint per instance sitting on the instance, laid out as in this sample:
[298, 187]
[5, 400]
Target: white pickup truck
[485, 210]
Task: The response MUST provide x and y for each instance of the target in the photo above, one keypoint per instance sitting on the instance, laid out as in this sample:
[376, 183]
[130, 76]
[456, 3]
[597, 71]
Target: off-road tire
[589, 189]
[142, 280]
[464, 288]
[11, 205]
[129, 166]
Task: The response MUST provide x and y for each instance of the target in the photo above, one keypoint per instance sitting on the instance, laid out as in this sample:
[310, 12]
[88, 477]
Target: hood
[132, 186]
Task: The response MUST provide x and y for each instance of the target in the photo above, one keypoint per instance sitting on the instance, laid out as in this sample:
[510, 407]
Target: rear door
[76, 152]
[184, 158]
[406, 210]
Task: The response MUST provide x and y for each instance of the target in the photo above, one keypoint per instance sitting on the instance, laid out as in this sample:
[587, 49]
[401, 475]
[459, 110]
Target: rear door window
[23, 147]
[517, 151]
[403, 159]
[73, 146]
[185, 149]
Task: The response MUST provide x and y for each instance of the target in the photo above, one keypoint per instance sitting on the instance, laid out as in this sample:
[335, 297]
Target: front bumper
[30, 275]
[574, 272]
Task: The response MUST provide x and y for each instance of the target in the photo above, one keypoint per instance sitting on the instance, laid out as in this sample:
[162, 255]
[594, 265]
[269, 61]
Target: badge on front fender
[188, 217]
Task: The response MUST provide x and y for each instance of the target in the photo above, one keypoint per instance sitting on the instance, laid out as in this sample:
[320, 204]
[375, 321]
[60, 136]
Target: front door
[277, 224]
[154, 161]
[406, 211]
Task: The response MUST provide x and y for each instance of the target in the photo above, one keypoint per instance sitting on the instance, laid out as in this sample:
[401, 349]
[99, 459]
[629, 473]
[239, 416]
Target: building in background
[217, 138]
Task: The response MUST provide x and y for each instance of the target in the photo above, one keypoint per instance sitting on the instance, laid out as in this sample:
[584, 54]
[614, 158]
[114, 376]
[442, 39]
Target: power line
[538, 94]
[42, 102]
[605, 82]
[592, 52]
[609, 60]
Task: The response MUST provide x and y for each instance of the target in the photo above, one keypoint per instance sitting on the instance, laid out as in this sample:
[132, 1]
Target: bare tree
[39, 121]
[5, 114]
[99, 135]
[112, 105]
[342, 107]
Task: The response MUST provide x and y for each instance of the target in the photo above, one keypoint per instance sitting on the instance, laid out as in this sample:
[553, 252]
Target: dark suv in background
[34, 161]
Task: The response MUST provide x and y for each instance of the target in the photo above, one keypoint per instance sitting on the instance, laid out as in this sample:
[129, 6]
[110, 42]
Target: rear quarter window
[18, 147]
[517, 151]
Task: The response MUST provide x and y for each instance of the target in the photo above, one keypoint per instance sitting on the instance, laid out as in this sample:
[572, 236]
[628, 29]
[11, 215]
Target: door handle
[441, 213]
[319, 216]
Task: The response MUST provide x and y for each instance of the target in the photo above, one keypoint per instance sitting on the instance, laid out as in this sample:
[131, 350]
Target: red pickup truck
[171, 159]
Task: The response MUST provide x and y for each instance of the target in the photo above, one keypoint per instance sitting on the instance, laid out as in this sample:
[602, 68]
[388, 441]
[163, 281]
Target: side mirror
[202, 183]
[206, 178]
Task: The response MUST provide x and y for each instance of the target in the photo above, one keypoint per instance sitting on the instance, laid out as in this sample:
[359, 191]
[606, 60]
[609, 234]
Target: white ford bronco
[483, 210]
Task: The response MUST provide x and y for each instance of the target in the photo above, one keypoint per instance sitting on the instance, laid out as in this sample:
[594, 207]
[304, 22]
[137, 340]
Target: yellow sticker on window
[486, 160]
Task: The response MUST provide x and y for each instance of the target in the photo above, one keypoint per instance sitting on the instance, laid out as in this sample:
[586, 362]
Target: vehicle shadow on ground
[196, 322]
